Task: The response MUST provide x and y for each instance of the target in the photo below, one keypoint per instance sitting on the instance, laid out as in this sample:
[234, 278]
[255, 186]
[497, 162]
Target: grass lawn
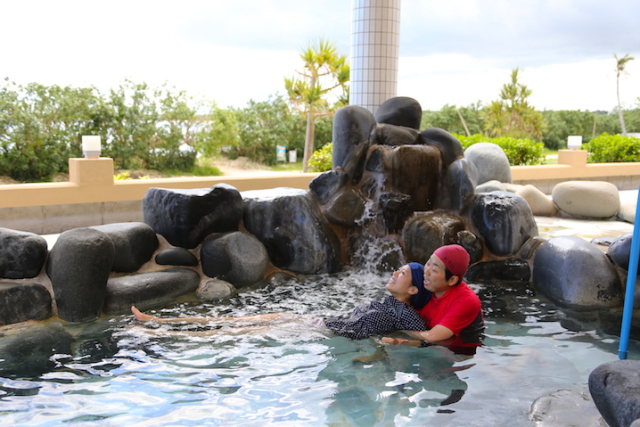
[287, 167]
[551, 156]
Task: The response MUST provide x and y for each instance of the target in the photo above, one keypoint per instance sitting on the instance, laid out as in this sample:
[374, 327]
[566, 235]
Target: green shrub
[520, 152]
[613, 148]
[322, 159]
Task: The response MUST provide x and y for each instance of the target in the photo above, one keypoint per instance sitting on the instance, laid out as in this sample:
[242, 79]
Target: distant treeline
[559, 124]
[165, 129]
[41, 127]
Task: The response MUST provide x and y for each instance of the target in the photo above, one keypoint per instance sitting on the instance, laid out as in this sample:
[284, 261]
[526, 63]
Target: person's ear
[452, 280]
[413, 290]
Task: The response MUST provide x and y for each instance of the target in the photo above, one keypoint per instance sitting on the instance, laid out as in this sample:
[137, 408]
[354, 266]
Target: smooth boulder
[237, 258]
[564, 408]
[449, 145]
[491, 162]
[28, 349]
[20, 302]
[214, 290]
[22, 254]
[176, 256]
[400, 111]
[354, 127]
[134, 243]
[186, 217]
[615, 388]
[79, 265]
[574, 273]
[540, 203]
[149, 290]
[620, 251]
[589, 199]
[397, 135]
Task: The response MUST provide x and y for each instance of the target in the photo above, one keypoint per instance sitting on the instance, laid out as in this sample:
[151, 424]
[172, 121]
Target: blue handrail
[627, 312]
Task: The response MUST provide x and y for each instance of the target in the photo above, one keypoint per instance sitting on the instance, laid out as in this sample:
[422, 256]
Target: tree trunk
[308, 139]
[624, 128]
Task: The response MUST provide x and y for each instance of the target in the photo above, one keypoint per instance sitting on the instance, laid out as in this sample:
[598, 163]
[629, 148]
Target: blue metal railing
[627, 312]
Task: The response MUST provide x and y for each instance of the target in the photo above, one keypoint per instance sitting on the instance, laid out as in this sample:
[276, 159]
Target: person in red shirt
[453, 314]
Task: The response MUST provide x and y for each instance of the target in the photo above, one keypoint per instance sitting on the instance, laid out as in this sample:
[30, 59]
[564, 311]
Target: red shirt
[458, 308]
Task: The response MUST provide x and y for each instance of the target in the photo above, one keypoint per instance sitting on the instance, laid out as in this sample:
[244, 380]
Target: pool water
[125, 374]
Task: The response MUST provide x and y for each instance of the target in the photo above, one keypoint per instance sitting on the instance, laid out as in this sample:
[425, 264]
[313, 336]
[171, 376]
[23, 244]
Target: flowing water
[123, 373]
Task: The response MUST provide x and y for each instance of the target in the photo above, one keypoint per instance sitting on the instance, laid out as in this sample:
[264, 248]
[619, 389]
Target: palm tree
[322, 63]
[621, 63]
[512, 115]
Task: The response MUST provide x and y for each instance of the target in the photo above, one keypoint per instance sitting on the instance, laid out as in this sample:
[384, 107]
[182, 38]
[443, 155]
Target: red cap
[455, 257]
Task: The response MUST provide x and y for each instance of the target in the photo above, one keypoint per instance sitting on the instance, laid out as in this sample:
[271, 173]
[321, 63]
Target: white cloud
[455, 52]
[436, 80]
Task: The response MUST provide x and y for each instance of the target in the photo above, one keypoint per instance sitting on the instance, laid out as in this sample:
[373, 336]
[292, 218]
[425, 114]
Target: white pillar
[375, 45]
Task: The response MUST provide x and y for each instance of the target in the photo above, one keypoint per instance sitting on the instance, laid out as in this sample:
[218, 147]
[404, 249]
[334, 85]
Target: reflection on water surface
[120, 373]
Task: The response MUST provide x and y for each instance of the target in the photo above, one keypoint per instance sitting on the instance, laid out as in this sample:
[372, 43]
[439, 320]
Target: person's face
[435, 277]
[401, 283]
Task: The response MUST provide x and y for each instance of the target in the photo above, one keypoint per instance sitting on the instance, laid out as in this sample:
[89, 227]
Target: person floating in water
[396, 312]
[453, 314]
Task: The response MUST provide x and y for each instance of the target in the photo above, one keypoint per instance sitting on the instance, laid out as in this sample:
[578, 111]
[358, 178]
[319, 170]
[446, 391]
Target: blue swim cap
[417, 275]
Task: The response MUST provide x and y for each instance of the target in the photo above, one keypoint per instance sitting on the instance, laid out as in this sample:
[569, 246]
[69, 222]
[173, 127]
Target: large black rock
[149, 290]
[176, 256]
[423, 233]
[324, 186]
[236, 257]
[28, 350]
[20, 302]
[400, 111]
[620, 250]
[615, 388]
[290, 225]
[134, 243]
[395, 209]
[186, 217]
[462, 178]
[79, 265]
[504, 220]
[407, 169]
[22, 254]
[574, 273]
[503, 270]
[397, 135]
[345, 208]
[449, 145]
[353, 129]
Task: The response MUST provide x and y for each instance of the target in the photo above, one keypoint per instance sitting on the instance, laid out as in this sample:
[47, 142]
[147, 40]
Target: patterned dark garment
[377, 318]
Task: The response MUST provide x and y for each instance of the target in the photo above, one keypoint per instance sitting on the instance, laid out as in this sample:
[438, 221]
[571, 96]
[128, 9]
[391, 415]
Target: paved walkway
[588, 229]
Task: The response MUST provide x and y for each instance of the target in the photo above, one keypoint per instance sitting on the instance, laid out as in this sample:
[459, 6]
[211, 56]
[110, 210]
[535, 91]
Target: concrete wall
[92, 197]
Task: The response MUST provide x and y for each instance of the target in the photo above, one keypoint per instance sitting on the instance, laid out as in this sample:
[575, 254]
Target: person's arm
[434, 335]
[401, 341]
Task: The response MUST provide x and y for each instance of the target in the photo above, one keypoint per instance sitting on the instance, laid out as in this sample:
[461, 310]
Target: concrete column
[91, 172]
[375, 45]
[574, 158]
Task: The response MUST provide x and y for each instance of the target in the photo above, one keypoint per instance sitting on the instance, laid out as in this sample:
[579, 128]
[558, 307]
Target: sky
[455, 52]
